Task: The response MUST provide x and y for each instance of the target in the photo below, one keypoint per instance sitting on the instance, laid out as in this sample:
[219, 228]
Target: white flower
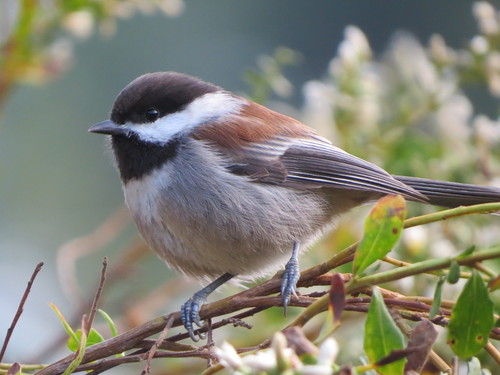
[486, 16]
[439, 51]
[228, 356]
[263, 360]
[172, 7]
[483, 9]
[328, 352]
[319, 108]
[79, 23]
[453, 118]
[479, 45]
[316, 370]
[487, 130]
[354, 48]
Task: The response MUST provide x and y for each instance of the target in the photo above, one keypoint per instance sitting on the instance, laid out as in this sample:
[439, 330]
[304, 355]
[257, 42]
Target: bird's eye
[152, 114]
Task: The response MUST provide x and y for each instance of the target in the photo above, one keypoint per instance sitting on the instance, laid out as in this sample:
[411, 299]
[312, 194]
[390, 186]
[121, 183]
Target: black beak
[108, 127]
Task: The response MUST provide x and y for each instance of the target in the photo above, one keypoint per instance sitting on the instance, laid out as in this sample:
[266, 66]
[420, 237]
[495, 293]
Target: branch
[19, 309]
[258, 298]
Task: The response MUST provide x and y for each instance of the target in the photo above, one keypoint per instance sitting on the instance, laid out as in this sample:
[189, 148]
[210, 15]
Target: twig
[154, 348]
[210, 340]
[97, 297]
[493, 352]
[20, 308]
[257, 298]
[356, 285]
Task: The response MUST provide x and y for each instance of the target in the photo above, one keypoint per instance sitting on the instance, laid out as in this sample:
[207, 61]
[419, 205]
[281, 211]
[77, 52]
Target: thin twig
[493, 352]
[210, 340]
[258, 298]
[20, 308]
[154, 348]
[97, 297]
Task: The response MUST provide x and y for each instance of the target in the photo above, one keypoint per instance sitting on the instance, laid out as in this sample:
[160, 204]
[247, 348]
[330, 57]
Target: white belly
[204, 227]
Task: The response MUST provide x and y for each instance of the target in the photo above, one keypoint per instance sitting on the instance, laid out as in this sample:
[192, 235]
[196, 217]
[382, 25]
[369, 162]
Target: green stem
[358, 284]
[485, 208]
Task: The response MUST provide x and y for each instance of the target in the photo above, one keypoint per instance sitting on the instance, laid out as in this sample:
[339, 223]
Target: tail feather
[451, 194]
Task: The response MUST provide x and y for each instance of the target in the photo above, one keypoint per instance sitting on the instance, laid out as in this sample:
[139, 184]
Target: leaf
[436, 302]
[422, 338]
[63, 321]
[383, 227]
[336, 301]
[382, 336]
[454, 272]
[111, 323]
[336, 305]
[80, 353]
[471, 318]
[94, 337]
[15, 369]
[467, 252]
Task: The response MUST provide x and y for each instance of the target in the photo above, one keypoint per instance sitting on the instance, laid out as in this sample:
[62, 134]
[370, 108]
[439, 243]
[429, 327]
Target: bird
[222, 187]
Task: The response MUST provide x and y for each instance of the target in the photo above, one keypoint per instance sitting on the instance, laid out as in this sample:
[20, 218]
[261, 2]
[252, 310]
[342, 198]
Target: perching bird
[220, 186]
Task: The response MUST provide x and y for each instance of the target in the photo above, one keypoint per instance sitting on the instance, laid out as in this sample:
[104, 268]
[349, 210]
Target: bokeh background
[57, 182]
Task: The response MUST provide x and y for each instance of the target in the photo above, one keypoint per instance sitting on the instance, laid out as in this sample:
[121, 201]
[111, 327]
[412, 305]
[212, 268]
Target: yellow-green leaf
[471, 318]
[383, 227]
[93, 338]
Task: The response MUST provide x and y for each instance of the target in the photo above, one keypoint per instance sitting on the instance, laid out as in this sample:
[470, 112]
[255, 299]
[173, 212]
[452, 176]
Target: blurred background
[58, 183]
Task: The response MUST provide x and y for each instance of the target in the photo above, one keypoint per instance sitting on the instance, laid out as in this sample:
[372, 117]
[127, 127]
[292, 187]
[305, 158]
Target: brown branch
[20, 309]
[251, 301]
[97, 297]
[155, 346]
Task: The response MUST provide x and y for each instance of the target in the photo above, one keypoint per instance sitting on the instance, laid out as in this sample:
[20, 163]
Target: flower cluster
[280, 358]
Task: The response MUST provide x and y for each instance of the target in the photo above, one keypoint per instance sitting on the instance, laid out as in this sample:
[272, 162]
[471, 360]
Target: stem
[486, 208]
[356, 285]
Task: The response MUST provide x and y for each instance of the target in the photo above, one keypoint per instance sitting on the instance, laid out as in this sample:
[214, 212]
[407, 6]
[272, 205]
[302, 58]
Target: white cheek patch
[209, 107]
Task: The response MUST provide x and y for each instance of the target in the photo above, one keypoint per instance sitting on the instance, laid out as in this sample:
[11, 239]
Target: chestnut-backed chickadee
[220, 186]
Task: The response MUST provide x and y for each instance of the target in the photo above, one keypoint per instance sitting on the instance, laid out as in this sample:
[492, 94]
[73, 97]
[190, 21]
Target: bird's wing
[315, 163]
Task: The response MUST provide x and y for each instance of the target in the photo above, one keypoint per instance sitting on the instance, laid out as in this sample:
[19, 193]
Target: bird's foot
[190, 310]
[290, 278]
[190, 313]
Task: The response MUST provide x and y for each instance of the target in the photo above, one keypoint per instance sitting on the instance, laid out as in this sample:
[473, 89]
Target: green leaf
[454, 273]
[383, 227]
[436, 302]
[471, 318]
[93, 338]
[382, 336]
[111, 323]
[467, 252]
[80, 353]
[64, 322]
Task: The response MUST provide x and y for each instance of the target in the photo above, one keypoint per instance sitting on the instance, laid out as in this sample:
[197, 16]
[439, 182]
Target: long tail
[451, 194]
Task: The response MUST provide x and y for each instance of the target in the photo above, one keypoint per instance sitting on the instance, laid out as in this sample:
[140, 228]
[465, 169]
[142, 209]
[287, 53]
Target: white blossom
[228, 356]
[486, 15]
[328, 352]
[79, 24]
[479, 45]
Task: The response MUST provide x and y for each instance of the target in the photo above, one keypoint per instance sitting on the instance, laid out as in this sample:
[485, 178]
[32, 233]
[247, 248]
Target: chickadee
[220, 186]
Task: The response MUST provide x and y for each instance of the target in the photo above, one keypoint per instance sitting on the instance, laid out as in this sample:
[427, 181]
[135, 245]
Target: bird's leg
[290, 277]
[191, 308]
